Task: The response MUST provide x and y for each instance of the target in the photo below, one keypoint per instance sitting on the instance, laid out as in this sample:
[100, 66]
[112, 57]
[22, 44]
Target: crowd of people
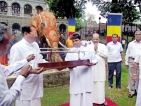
[111, 56]
[23, 66]
[26, 54]
[87, 82]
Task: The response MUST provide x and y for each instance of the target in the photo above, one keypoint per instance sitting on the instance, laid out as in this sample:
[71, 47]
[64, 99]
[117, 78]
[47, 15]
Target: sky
[92, 9]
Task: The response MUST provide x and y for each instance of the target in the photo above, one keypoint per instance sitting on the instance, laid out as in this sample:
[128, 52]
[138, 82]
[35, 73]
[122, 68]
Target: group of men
[28, 76]
[132, 62]
[27, 51]
[90, 85]
[28, 87]
[114, 54]
[87, 82]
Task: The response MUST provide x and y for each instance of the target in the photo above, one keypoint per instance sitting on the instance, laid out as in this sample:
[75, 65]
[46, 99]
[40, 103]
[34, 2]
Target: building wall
[22, 19]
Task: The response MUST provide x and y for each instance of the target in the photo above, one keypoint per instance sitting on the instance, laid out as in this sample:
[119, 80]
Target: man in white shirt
[99, 70]
[137, 76]
[115, 58]
[81, 82]
[32, 88]
[134, 48]
[8, 96]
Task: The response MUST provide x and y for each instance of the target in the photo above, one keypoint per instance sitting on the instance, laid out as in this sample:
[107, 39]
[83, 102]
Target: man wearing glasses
[32, 88]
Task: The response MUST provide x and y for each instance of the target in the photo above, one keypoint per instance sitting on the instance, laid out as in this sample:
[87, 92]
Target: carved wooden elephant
[46, 25]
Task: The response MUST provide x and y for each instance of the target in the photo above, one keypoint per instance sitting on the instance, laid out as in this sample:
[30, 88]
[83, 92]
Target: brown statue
[45, 22]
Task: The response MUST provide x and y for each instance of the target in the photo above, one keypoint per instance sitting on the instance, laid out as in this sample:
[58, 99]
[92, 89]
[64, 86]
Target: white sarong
[81, 99]
[98, 93]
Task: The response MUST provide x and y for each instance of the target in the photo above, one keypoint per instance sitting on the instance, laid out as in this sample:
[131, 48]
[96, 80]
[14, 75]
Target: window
[15, 27]
[62, 28]
[15, 8]
[3, 6]
[27, 9]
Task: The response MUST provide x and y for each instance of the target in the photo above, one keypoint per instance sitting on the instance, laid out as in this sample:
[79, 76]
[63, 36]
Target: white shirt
[84, 42]
[8, 96]
[90, 42]
[99, 70]
[132, 51]
[138, 60]
[123, 41]
[33, 84]
[114, 52]
[81, 80]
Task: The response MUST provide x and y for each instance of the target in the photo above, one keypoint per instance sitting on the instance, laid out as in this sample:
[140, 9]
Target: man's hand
[122, 60]
[37, 70]
[127, 66]
[26, 70]
[30, 57]
[90, 64]
[106, 64]
[135, 78]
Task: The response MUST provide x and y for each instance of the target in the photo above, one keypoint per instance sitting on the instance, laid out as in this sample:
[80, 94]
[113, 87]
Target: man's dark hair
[27, 28]
[39, 8]
[114, 34]
[76, 36]
[3, 28]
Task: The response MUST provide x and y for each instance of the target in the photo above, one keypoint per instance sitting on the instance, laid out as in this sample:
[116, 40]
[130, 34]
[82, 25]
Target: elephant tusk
[62, 45]
[48, 42]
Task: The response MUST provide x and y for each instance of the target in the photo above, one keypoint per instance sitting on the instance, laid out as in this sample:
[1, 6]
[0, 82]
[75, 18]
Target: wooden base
[64, 64]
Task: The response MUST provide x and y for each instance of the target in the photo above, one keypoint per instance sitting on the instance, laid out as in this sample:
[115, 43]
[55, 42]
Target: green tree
[79, 24]
[138, 3]
[126, 7]
[67, 8]
[139, 26]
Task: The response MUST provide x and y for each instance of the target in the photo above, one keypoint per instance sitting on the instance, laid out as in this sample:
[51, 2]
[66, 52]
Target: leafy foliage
[138, 3]
[126, 7]
[67, 8]
[139, 26]
[79, 24]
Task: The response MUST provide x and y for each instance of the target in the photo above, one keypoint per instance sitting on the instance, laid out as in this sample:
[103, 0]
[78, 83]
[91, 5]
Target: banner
[71, 26]
[114, 26]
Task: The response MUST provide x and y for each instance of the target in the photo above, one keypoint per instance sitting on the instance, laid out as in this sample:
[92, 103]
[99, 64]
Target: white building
[16, 13]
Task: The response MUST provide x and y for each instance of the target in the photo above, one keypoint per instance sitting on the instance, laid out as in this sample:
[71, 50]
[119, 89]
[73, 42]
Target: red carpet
[110, 103]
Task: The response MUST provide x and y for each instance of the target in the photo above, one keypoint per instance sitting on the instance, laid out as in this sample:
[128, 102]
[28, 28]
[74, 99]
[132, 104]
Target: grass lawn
[58, 95]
